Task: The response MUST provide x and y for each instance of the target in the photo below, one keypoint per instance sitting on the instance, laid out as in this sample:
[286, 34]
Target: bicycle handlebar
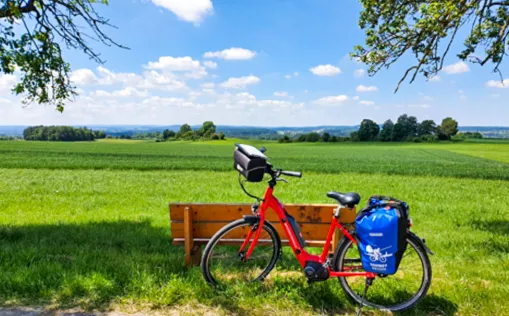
[292, 173]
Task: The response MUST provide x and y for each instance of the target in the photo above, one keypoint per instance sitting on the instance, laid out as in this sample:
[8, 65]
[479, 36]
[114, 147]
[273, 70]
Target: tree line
[61, 133]
[206, 132]
[406, 128]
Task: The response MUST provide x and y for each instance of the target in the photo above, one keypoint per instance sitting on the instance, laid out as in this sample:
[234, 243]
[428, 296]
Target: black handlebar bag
[249, 162]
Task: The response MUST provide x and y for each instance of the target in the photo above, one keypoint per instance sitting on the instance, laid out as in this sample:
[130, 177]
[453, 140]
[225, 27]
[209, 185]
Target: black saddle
[349, 199]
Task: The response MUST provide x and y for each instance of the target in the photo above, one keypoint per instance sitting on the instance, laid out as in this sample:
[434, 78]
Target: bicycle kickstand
[369, 281]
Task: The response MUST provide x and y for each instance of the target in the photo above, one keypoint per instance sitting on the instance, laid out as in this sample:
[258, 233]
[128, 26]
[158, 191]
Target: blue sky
[266, 63]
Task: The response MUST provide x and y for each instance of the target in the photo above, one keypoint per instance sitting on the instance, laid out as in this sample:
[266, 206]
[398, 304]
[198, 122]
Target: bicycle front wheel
[223, 263]
[396, 292]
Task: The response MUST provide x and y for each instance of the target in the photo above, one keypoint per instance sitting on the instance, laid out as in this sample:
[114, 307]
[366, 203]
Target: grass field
[86, 224]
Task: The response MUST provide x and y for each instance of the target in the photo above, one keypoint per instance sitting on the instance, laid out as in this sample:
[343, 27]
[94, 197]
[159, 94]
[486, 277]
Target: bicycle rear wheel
[396, 292]
[223, 264]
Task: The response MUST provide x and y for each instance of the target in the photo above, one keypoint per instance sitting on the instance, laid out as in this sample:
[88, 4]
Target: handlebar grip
[292, 173]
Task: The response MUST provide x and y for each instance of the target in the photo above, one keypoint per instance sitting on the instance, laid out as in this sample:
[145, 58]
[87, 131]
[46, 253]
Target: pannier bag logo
[376, 254]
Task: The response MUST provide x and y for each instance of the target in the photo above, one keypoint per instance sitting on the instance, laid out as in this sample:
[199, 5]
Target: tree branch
[6, 10]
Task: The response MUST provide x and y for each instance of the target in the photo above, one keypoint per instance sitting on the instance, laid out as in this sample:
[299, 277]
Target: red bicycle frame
[270, 201]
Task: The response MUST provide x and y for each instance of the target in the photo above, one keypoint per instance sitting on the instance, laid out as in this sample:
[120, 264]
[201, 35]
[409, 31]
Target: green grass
[100, 239]
[398, 159]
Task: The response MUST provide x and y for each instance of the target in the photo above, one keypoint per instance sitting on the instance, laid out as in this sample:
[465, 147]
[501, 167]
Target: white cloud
[208, 85]
[191, 69]
[188, 10]
[296, 74]
[154, 80]
[175, 64]
[365, 102]
[421, 106]
[234, 53]
[288, 76]
[83, 77]
[427, 98]
[209, 91]
[109, 77]
[246, 100]
[498, 84]
[240, 83]
[356, 98]
[210, 64]
[5, 101]
[457, 68]
[124, 93]
[358, 73]
[495, 95]
[325, 70]
[435, 79]
[332, 100]
[363, 88]
[282, 94]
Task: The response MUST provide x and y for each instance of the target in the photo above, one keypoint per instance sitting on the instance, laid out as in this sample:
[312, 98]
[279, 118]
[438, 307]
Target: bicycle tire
[413, 242]
[214, 241]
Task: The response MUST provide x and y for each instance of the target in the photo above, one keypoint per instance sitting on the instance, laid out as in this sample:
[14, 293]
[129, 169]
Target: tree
[354, 136]
[185, 128]
[405, 128]
[387, 130]
[448, 128]
[368, 130]
[284, 139]
[168, 134]
[207, 129]
[221, 136]
[427, 31]
[427, 127]
[34, 47]
[333, 139]
[313, 137]
[326, 137]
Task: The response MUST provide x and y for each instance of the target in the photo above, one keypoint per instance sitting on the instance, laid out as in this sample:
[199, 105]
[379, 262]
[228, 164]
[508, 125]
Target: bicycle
[224, 263]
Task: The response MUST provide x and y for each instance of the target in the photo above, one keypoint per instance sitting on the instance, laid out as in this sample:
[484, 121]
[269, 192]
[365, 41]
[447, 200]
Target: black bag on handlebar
[250, 162]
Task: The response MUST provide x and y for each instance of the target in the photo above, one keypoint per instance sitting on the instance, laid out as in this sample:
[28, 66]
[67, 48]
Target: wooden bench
[192, 225]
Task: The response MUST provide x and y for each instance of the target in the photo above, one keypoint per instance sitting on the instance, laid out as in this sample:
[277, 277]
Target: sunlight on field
[100, 238]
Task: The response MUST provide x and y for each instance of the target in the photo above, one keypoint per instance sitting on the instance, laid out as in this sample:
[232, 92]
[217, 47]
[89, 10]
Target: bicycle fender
[251, 219]
[422, 243]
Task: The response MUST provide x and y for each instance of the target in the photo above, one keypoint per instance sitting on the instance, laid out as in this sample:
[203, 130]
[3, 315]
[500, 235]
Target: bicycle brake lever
[282, 179]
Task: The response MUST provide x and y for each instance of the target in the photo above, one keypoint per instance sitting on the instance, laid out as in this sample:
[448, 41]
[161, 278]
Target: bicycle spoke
[387, 290]
[227, 264]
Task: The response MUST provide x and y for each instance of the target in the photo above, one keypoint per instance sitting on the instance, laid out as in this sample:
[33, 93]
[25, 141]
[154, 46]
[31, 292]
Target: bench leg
[188, 235]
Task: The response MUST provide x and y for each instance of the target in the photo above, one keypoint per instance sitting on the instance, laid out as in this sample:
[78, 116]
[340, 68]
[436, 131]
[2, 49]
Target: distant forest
[61, 133]
[407, 128]
[305, 134]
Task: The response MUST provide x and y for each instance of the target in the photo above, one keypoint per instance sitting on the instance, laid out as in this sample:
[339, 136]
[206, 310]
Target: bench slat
[313, 213]
[204, 241]
[207, 230]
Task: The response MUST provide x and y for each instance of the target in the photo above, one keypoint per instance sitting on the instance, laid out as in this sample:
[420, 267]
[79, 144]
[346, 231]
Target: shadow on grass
[96, 265]
[500, 227]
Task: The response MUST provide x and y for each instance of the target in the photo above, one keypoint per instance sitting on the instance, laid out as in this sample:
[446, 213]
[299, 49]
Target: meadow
[86, 224]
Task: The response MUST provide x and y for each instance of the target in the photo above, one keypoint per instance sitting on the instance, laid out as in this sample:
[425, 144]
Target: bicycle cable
[245, 191]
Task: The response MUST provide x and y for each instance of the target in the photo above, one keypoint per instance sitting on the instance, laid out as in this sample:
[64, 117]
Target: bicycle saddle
[349, 199]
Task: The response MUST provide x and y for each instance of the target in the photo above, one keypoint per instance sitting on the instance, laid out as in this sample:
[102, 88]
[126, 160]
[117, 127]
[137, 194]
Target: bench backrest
[202, 221]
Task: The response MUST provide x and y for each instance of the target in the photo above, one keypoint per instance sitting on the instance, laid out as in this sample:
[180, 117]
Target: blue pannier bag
[382, 229]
